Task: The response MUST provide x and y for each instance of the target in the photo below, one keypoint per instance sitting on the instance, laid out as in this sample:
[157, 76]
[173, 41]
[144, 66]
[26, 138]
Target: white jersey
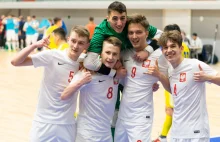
[59, 70]
[137, 99]
[97, 104]
[190, 117]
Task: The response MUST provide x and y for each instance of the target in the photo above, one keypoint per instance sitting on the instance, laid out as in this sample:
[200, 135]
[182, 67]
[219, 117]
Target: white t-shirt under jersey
[137, 99]
[190, 117]
[97, 104]
[59, 70]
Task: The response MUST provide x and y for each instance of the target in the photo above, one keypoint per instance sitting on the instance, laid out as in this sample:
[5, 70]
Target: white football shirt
[190, 117]
[59, 70]
[137, 97]
[97, 104]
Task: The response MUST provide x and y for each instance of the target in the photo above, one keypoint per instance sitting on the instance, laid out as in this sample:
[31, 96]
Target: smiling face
[172, 48]
[77, 44]
[111, 51]
[172, 52]
[137, 35]
[117, 20]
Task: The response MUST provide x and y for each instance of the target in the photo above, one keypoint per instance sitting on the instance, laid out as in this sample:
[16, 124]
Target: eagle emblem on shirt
[183, 77]
[146, 63]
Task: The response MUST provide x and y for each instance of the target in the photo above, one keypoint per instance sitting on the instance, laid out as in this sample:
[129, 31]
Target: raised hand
[154, 70]
[43, 42]
[200, 76]
[141, 56]
[121, 73]
[87, 76]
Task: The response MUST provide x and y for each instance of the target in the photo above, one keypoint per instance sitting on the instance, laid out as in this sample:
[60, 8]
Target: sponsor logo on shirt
[183, 77]
[61, 63]
[146, 63]
[101, 80]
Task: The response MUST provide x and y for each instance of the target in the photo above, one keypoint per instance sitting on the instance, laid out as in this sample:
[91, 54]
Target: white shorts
[30, 39]
[190, 140]
[132, 132]
[89, 138]
[10, 35]
[44, 132]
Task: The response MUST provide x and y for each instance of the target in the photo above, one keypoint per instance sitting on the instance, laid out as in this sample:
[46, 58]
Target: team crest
[116, 81]
[183, 77]
[146, 63]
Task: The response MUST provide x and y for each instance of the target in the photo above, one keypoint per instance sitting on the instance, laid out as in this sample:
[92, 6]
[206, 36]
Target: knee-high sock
[166, 126]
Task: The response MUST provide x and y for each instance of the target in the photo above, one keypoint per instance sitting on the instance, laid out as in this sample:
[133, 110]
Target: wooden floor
[19, 91]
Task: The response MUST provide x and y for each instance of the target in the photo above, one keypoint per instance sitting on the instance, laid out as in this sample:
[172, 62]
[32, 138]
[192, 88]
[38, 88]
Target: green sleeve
[96, 42]
[152, 32]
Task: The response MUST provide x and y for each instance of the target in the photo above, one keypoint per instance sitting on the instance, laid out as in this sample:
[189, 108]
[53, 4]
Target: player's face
[172, 52]
[137, 36]
[117, 20]
[110, 54]
[77, 44]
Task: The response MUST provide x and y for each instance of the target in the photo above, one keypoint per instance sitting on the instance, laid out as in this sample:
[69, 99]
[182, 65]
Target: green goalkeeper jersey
[104, 30]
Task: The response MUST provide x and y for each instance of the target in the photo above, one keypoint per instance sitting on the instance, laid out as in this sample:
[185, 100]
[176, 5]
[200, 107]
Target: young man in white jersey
[135, 116]
[97, 98]
[187, 82]
[53, 120]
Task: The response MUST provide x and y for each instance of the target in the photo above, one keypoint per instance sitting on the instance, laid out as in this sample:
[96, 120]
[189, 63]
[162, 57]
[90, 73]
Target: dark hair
[34, 16]
[173, 36]
[91, 19]
[117, 6]
[194, 34]
[81, 31]
[138, 19]
[61, 33]
[172, 27]
[56, 20]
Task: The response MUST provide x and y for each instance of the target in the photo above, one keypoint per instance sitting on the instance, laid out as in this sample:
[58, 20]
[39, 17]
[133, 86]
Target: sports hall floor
[19, 91]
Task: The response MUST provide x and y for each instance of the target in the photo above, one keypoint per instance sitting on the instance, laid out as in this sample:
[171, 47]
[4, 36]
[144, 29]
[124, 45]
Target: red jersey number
[110, 93]
[70, 76]
[133, 72]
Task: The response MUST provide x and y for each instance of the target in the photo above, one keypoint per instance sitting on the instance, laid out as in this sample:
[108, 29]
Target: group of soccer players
[118, 54]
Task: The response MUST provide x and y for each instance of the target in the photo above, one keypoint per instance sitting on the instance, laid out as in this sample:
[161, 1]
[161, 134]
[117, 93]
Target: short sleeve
[42, 59]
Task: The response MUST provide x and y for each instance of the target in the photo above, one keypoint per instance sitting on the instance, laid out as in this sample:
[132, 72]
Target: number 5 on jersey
[70, 76]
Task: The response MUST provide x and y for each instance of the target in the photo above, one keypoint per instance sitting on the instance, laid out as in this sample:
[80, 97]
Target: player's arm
[154, 70]
[81, 78]
[23, 58]
[203, 76]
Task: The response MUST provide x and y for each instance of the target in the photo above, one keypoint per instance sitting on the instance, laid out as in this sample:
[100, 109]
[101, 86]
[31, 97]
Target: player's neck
[142, 47]
[177, 62]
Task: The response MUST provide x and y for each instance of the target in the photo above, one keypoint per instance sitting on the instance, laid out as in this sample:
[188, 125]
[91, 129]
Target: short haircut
[81, 31]
[56, 20]
[138, 19]
[91, 19]
[194, 34]
[117, 6]
[172, 27]
[173, 36]
[34, 16]
[61, 33]
[114, 41]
